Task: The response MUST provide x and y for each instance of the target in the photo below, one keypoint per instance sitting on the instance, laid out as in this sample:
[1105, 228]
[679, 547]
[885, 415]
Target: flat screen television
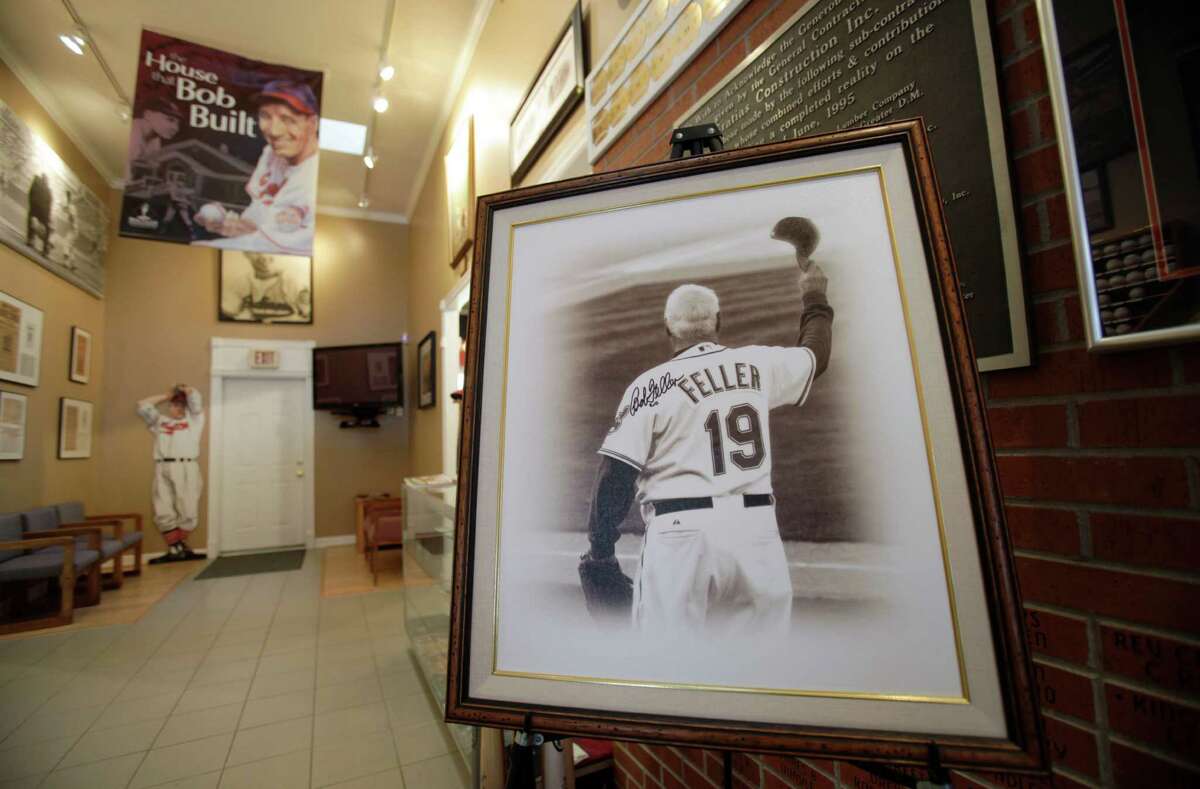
[358, 377]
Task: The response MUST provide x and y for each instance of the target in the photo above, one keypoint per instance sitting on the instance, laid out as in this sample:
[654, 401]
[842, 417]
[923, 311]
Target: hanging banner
[222, 150]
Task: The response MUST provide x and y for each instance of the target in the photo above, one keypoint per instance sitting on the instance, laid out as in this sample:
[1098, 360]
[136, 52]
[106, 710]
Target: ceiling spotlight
[364, 201]
[123, 111]
[370, 159]
[380, 104]
[74, 42]
[387, 71]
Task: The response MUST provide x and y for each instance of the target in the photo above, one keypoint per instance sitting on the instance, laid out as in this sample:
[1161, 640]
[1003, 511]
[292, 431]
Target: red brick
[1029, 26]
[714, 766]
[1058, 219]
[1031, 225]
[1017, 781]
[794, 773]
[1045, 121]
[745, 766]
[1137, 598]
[1153, 719]
[725, 64]
[772, 22]
[1132, 767]
[1058, 636]
[1006, 39]
[1020, 129]
[694, 778]
[671, 759]
[1015, 427]
[1037, 529]
[1076, 371]
[1052, 269]
[1046, 330]
[1074, 313]
[687, 78]
[1064, 691]
[1145, 422]
[642, 755]
[857, 778]
[627, 779]
[1174, 665]
[671, 782]
[736, 28]
[1170, 543]
[1002, 7]
[1073, 747]
[1148, 481]
[1024, 78]
[1038, 171]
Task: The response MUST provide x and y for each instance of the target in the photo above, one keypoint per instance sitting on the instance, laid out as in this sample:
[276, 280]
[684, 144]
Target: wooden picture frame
[555, 93]
[427, 371]
[264, 287]
[524, 651]
[14, 410]
[20, 341]
[75, 429]
[80, 368]
[459, 164]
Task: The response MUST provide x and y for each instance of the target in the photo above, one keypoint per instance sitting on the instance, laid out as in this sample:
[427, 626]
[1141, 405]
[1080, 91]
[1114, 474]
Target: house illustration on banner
[191, 171]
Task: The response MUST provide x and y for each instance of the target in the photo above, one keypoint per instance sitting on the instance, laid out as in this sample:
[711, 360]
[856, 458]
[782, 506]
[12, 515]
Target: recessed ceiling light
[342, 136]
[364, 201]
[380, 104]
[387, 71]
[75, 43]
[370, 159]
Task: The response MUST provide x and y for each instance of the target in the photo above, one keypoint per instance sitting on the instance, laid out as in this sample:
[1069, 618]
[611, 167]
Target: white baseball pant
[176, 493]
[721, 569]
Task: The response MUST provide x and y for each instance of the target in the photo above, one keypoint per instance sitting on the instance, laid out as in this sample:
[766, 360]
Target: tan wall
[162, 314]
[41, 477]
[515, 41]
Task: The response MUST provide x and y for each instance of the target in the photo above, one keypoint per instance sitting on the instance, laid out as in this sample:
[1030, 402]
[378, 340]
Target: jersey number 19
[744, 428]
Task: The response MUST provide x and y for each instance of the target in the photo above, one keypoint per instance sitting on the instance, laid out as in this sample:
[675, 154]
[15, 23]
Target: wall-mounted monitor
[356, 377]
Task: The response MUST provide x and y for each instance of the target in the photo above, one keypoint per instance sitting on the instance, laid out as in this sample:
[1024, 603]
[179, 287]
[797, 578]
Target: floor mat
[275, 562]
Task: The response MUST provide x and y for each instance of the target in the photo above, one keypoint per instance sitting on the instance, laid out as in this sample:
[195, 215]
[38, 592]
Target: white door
[263, 483]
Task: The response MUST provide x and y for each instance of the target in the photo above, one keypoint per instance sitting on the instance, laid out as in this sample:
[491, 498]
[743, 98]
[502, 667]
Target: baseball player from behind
[692, 440]
[177, 482]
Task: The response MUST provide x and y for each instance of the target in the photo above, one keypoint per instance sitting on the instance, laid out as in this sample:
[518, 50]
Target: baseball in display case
[725, 472]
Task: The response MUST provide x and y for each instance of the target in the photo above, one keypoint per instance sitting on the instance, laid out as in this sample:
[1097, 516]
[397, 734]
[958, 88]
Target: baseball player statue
[177, 482]
[692, 440]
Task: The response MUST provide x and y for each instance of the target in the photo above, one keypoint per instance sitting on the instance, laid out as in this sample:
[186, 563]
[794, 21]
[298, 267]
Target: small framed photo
[262, 287]
[555, 92]
[13, 410]
[460, 189]
[427, 371]
[74, 429]
[685, 383]
[20, 341]
[81, 355]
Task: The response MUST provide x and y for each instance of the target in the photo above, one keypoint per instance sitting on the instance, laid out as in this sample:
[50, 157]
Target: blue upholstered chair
[128, 534]
[25, 559]
[90, 533]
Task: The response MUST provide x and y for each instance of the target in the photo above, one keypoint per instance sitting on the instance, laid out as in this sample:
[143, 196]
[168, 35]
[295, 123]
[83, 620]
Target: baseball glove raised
[607, 590]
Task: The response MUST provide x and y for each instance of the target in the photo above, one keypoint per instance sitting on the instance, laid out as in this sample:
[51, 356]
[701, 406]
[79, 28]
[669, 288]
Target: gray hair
[691, 312]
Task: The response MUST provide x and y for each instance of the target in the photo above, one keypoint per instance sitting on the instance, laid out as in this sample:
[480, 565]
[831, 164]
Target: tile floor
[254, 681]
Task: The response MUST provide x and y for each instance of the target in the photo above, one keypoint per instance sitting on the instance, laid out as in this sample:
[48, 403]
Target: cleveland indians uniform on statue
[177, 482]
[692, 437]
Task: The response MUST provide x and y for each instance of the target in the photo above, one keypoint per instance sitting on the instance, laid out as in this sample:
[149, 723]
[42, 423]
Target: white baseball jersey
[698, 425]
[175, 438]
[282, 204]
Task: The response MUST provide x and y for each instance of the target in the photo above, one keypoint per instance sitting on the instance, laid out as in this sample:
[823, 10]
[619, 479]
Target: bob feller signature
[648, 396]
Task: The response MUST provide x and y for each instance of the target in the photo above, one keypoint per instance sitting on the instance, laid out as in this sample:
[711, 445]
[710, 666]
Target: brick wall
[1098, 459]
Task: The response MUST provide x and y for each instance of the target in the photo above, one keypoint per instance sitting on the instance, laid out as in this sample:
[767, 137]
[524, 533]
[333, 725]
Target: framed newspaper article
[725, 471]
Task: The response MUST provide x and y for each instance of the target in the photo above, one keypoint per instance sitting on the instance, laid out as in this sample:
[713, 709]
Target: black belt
[188, 460]
[666, 506]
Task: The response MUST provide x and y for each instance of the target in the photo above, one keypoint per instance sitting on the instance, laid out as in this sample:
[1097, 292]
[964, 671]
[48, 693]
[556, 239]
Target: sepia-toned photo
[716, 471]
[74, 429]
[260, 287]
[81, 356]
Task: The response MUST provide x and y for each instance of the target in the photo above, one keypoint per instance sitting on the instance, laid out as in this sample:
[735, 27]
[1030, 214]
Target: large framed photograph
[74, 429]
[1131, 166]
[555, 93]
[740, 387]
[80, 370]
[427, 371]
[460, 189]
[20, 341]
[262, 287]
[13, 410]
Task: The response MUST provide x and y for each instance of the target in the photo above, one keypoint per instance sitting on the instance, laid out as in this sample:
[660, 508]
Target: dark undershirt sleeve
[816, 329]
[612, 493]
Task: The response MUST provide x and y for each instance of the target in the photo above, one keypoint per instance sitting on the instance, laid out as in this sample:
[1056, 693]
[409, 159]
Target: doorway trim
[232, 358]
[447, 367]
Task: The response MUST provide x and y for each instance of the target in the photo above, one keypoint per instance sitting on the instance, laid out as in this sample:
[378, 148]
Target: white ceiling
[430, 46]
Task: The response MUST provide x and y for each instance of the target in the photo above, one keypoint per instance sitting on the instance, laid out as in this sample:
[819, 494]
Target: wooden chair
[26, 559]
[382, 526]
[71, 513]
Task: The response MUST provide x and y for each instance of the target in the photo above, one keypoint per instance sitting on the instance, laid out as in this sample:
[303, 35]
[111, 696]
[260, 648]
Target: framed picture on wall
[81, 356]
[427, 371]
[74, 429]
[20, 341]
[460, 189]
[554, 94]
[261, 287]
[635, 337]
[13, 408]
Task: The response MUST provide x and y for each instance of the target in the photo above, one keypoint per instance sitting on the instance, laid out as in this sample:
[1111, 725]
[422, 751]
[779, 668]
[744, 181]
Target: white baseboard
[330, 542]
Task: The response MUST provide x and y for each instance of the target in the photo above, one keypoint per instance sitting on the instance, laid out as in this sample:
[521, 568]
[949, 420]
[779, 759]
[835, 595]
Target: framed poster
[555, 92]
[260, 287]
[1124, 90]
[460, 189]
[13, 408]
[74, 429]
[20, 341]
[634, 336]
[81, 356]
[427, 371]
